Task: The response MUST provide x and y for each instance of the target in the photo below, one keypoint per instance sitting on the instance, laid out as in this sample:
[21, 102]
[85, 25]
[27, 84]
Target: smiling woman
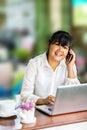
[49, 70]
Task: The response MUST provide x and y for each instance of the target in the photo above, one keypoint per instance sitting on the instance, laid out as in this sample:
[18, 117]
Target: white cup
[7, 107]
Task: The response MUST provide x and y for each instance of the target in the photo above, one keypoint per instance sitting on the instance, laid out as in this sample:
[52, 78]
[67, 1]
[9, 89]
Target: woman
[49, 70]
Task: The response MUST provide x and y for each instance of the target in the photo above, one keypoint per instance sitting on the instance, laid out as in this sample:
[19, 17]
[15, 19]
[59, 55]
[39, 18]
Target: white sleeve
[27, 91]
[73, 81]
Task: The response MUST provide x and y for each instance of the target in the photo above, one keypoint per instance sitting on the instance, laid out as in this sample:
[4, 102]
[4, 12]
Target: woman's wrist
[71, 73]
[40, 101]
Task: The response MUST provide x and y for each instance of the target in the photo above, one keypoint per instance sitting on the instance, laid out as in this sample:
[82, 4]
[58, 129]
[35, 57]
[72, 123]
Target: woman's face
[57, 52]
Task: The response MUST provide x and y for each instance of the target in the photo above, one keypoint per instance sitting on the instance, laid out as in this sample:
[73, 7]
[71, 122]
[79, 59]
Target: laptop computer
[70, 98]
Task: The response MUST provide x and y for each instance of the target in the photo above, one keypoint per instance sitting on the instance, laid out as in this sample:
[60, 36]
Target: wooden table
[45, 121]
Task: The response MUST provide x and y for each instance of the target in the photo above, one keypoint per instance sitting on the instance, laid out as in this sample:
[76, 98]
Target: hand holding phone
[70, 61]
[70, 58]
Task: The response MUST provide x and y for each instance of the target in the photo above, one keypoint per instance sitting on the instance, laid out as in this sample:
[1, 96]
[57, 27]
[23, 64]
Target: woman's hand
[47, 101]
[71, 60]
[70, 63]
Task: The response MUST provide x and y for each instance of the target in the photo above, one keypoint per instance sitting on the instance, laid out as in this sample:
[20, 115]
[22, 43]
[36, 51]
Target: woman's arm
[70, 63]
[72, 71]
[27, 91]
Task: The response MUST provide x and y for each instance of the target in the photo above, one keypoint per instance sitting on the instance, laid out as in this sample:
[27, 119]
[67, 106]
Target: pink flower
[27, 106]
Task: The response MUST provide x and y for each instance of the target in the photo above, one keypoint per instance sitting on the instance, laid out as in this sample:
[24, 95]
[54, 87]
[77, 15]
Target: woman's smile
[58, 54]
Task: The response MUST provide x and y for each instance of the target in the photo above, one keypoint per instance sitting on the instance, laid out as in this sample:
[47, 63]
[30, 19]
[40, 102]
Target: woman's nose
[60, 47]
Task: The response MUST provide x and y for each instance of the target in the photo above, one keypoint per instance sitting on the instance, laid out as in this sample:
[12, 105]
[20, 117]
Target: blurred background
[25, 27]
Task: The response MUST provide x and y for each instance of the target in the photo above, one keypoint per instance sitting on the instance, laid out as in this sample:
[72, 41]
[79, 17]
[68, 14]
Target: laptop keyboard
[50, 108]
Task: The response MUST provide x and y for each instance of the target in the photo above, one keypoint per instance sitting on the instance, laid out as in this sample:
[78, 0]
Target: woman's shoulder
[37, 59]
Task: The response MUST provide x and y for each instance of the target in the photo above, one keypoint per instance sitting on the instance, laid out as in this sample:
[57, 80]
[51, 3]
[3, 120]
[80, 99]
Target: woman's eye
[65, 47]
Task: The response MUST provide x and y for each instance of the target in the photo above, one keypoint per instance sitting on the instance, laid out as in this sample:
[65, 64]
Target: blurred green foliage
[21, 54]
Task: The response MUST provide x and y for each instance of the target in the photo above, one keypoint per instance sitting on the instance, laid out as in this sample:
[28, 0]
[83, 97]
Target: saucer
[8, 114]
[27, 121]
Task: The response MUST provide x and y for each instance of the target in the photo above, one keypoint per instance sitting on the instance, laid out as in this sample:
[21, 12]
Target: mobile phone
[68, 57]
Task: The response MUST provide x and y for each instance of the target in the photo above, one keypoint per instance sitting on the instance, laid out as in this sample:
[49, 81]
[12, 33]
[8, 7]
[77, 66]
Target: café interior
[25, 28]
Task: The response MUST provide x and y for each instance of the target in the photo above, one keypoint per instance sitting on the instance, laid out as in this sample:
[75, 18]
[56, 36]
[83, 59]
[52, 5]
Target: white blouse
[41, 81]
